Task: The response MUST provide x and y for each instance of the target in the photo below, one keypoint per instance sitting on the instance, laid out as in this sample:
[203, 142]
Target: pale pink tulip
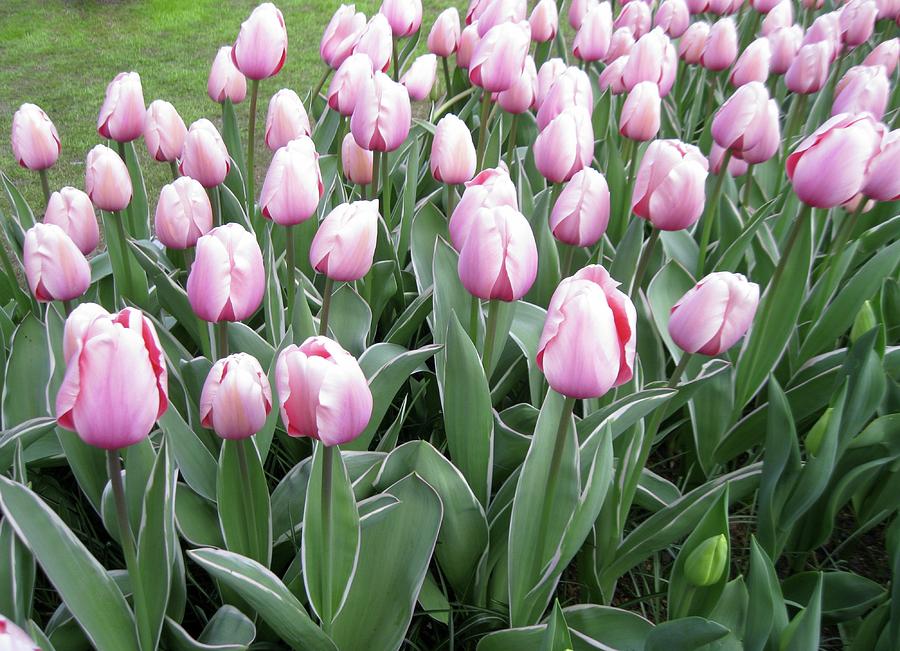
[581, 213]
[356, 161]
[781, 16]
[293, 185]
[862, 89]
[236, 397]
[225, 80]
[453, 156]
[645, 63]
[670, 189]
[572, 89]
[499, 58]
[721, 46]
[736, 166]
[286, 119]
[565, 146]
[106, 179]
[826, 27]
[164, 131]
[714, 314]
[383, 115]
[808, 71]
[595, 35]
[747, 124]
[13, 638]
[522, 95]
[490, 189]
[784, 43]
[611, 77]
[578, 10]
[550, 71]
[344, 246]
[376, 42]
[693, 42]
[349, 82]
[498, 12]
[35, 142]
[640, 117]
[183, 213]
[261, 46]
[55, 268]
[123, 112]
[205, 156]
[343, 30]
[419, 79]
[71, 210]
[885, 54]
[468, 41]
[404, 16]
[673, 17]
[882, 181]
[544, 21]
[753, 64]
[857, 21]
[445, 33]
[636, 16]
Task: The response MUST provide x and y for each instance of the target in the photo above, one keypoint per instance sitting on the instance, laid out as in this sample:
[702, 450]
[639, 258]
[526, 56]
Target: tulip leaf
[350, 319]
[30, 364]
[131, 280]
[197, 518]
[196, 463]
[667, 287]
[23, 435]
[243, 498]
[685, 634]
[139, 208]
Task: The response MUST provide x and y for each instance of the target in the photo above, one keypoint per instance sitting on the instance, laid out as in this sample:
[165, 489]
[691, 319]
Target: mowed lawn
[61, 54]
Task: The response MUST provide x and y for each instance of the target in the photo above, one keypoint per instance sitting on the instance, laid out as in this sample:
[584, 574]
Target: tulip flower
[236, 397]
[522, 95]
[588, 343]
[341, 34]
[581, 213]
[809, 70]
[595, 35]
[620, 45]
[747, 124]
[779, 17]
[376, 42]
[736, 166]
[498, 12]
[404, 16]
[164, 131]
[468, 41]
[572, 89]
[55, 267]
[857, 21]
[611, 77]
[826, 27]
[578, 10]
[862, 89]
[227, 279]
[636, 16]
[419, 79]
[640, 117]
[71, 210]
[851, 139]
[645, 63]
[499, 58]
[706, 564]
[322, 392]
[548, 73]
[115, 386]
[183, 214]
[752, 64]
[106, 179]
[673, 17]
[261, 46]
[882, 181]
[344, 246]
[356, 162]
[670, 189]
[348, 83]
[225, 81]
[383, 115]
[721, 46]
[544, 21]
[693, 42]
[286, 120]
[443, 40]
[889, 9]
[205, 157]
[784, 44]
[13, 638]
[669, 70]
[452, 152]
[764, 6]
[697, 7]
[714, 314]
[885, 54]
[122, 114]
[565, 146]
[490, 189]
[293, 185]
[35, 142]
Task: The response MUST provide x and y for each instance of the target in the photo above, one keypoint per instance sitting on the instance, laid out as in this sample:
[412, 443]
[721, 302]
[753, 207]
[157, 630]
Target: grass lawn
[61, 54]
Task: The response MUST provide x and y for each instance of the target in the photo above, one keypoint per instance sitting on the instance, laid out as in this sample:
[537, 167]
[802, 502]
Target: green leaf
[686, 634]
[17, 574]
[197, 518]
[557, 637]
[196, 463]
[845, 595]
[29, 363]
[350, 319]
[243, 498]
[766, 611]
[139, 208]
[22, 435]
[802, 634]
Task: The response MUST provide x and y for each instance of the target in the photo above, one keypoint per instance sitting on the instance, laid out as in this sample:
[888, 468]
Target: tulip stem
[446, 77]
[831, 260]
[511, 145]
[633, 157]
[45, 186]
[251, 144]
[474, 318]
[395, 54]
[291, 270]
[792, 123]
[326, 307]
[244, 468]
[174, 168]
[318, 89]
[712, 208]
[386, 188]
[748, 188]
[805, 212]
[566, 269]
[483, 126]
[67, 308]
[222, 339]
[490, 334]
[450, 201]
[643, 262]
[327, 467]
[216, 193]
[559, 445]
[450, 102]
[127, 281]
[376, 172]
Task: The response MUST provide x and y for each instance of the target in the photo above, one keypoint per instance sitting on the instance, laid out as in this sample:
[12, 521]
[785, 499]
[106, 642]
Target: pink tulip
[565, 146]
[882, 181]
[640, 117]
[697, 7]
[781, 16]
[747, 124]
[344, 246]
[383, 115]
[721, 47]
[183, 214]
[885, 54]
[595, 35]
[348, 83]
[736, 166]
[826, 27]
[522, 95]
[404, 16]
[71, 210]
[115, 386]
[784, 43]
[636, 16]
[724, 7]
[645, 63]
[753, 64]
[356, 161]
[286, 119]
[588, 343]
[341, 34]
[578, 10]
[35, 142]
[611, 77]
[475, 9]
[453, 155]
[261, 46]
[581, 213]
[498, 260]
[673, 17]
[468, 41]
[670, 189]
[498, 12]
[322, 392]
[809, 70]
[13, 638]
[55, 268]
[122, 114]
[764, 6]
[714, 314]
[889, 9]
[620, 45]
[851, 139]
[376, 42]
[862, 89]
[236, 397]
[444, 37]
[419, 79]
[669, 70]
[164, 131]
[293, 186]
[490, 189]
[572, 89]
[227, 279]
[857, 21]
[544, 21]
[499, 58]
[225, 80]
[550, 71]
[106, 179]
[693, 42]
[205, 156]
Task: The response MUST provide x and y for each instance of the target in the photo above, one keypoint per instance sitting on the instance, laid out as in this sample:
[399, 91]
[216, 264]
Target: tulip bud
[753, 64]
[669, 70]
[809, 69]
[589, 339]
[863, 89]
[882, 181]
[341, 34]
[693, 42]
[640, 113]
[522, 95]
[784, 43]
[236, 397]
[490, 189]
[383, 115]
[183, 213]
[620, 45]
[498, 12]
[404, 16]
[581, 213]
[205, 156]
[71, 210]
[595, 35]
[781, 16]
[747, 124]
[225, 80]
[344, 246]
[706, 564]
[645, 62]
[356, 161]
[498, 260]
[572, 89]
[670, 189]
[736, 166]
[376, 42]
[721, 47]
[115, 386]
[857, 21]
[826, 27]
[293, 185]
[164, 131]
[578, 10]
[697, 7]
[286, 119]
[611, 77]
[55, 268]
[764, 6]
[550, 71]
[885, 54]
[544, 21]
[227, 279]
[468, 41]
[453, 155]
[122, 114]
[673, 17]
[889, 9]
[499, 58]
[443, 40]
[261, 46]
[13, 638]
[348, 83]
[419, 79]
[35, 142]
[106, 179]
[565, 146]
[636, 16]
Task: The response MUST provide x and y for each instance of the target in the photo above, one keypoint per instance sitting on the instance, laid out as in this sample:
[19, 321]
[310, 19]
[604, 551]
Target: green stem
[712, 208]
[45, 186]
[796, 228]
[188, 259]
[326, 306]
[395, 55]
[483, 127]
[490, 334]
[566, 270]
[450, 201]
[327, 463]
[318, 89]
[562, 429]
[511, 145]
[251, 144]
[474, 318]
[67, 308]
[792, 122]
[447, 84]
[386, 188]
[291, 270]
[128, 281]
[831, 260]
[173, 167]
[216, 193]
[644, 262]
[625, 209]
[338, 147]
[446, 106]
[221, 340]
[748, 188]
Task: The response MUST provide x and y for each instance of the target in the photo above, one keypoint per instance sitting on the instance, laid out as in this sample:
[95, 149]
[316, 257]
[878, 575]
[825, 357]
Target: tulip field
[545, 325]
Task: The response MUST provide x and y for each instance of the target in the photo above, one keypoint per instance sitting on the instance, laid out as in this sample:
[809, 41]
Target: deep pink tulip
[693, 42]
[581, 213]
[55, 268]
[721, 46]
[595, 35]
[588, 343]
[620, 45]
[736, 166]
[205, 156]
[670, 189]
[826, 27]
[522, 95]
[640, 116]
[444, 37]
[183, 213]
[645, 63]
[344, 246]
[498, 260]
[164, 131]
[548, 73]
[383, 115]
[123, 112]
[636, 16]
[293, 185]
[857, 21]
[286, 119]
[578, 9]
[714, 314]
[13, 638]
[784, 43]
[35, 142]
[225, 80]
[322, 392]
[572, 89]
[468, 41]
[498, 12]
[343, 30]
[565, 146]
[490, 189]
[71, 210]
[356, 161]
[781, 16]
[376, 42]
[673, 17]
[851, 139]
[544, 21]
[882, 181]
[419, 79]
[499, 58]
[404, 16]
[862, 89]
[885, 54]
[106, 179]
[809, 69]
[348, 83]
[611, 77]
[236, 397]
[453, 156]
[753, 63]
[115, 386]
[227, 279]
[747, 124]
[261, 46]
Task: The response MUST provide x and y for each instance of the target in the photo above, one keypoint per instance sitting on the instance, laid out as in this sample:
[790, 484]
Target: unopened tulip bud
[753, 64]
[205, 157]
[522, 95]
[383, 115]
[261, 46]
[636, 16]
[348, 83]
[225, 80]
[55, 268]
[595, 35]
[499, 58]
[862, 89]
[106, 179]
[885, 54]
[236, 397]
[640, 117]
[341, 34]
[784, 43]
[443, 40]
[645, 63]
[581, 213]
[809, 70]
[419, 79]
[71, 210]
[826, 27]
[721, 46]
[882, 181]
[453, 156]
[620, 45]
[706, 564]
[548, 73]
[344, 246]
[286, 119]
[468, 41]
[670, 189]
[544, 21]
[697, 7]
[673, 17]
[764, 6]
[123, 112]
[376, 42]
[565, 146]
[404, 16]
[293, 186]
[572, 89]
[857, 21]
[578, 10]
[164, 131]
[611, 77]
[747, 124]
[356, 161]
[781, 16]
[736, 166]
[491, 188]
[183, 213]
[498, 12]
[693, 42]
[35, 142]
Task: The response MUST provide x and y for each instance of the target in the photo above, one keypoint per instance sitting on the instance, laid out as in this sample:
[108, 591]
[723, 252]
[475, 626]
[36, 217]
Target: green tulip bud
[865, 321]
[706, 564]
[817, 433]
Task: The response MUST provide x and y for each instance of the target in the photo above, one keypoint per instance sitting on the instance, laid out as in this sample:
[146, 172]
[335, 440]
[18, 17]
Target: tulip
[578, 10]
[857, 21]
[882, 181]
[443, 40]
[588, 343]
[636, 16]
[383, 115]
[115, 386]
[404, 16]
[889, 9]
[164, 131]
[565, 146]
[544, 21]
[183, 213]
[522, 95]
[122, 114]
[452, 152]
[356, 162]
[818, 181]
[286, 119]
[714, 314]
[747, 124]
[781, 16]
[498, 12]
[205, 156]
[322, 392]
[490, 189]
[419, 79]
[669, 70]
[227, 279]
[341, 34]
[736, 166]
[498, 260]
[721, 46]
[468, 41]
[619, 45]
[885, 54]
[645, 63]
[376, 42]
[55, 267]
[673, 17]
[13, 638]
[706, 564]
[862, 89]
[236, 397]
[581, 213]
[693, 42]
[499, 58]
[293, 185]
[348, 83]
[71, 210]
[764, 6]
[826, 27]
[344, 246]
[572, 89]
[550, 71]
[670, 189]
[225, 81]
[640, 118]
[261, 46]
[753, 64]
[611, 77]
[784, 43]
[106, 179]
[808, 71]
[595, 35]
[697, 7]
[35, 142]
